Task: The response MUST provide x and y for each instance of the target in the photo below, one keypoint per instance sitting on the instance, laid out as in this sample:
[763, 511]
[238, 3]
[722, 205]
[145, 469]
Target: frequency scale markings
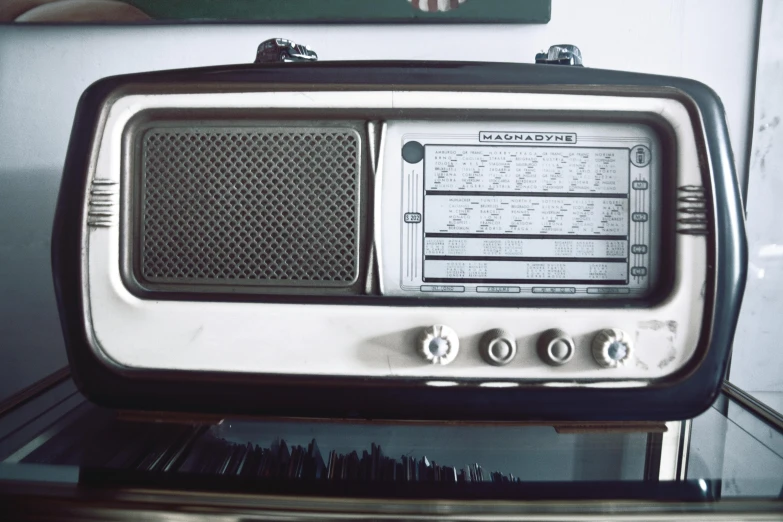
[526, 215]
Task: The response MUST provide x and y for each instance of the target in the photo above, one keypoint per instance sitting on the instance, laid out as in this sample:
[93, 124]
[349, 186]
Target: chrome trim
[102, 203]
[692, 211]
[377, 199]
[374, 129]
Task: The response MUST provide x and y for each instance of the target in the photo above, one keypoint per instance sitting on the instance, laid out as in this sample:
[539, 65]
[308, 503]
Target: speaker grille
[250, 206]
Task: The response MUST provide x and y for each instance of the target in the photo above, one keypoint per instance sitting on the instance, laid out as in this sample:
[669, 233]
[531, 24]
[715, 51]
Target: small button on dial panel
[498, 347]
[612, 348]
[438, 344]
[555, 347]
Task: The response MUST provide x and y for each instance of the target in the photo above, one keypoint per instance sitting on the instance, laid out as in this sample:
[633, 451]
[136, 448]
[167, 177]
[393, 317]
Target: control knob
[611, 347]
[555, 347]
[438, 344]
[498, 347]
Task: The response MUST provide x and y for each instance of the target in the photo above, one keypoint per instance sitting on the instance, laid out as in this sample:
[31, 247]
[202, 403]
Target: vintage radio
[400, 240]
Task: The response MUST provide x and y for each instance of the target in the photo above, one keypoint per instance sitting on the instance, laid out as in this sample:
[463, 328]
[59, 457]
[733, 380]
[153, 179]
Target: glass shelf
[57, 447]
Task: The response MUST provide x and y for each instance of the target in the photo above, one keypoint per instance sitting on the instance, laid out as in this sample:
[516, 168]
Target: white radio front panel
[384, 340]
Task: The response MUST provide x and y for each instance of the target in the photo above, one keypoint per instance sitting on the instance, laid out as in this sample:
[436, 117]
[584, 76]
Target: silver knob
[555, 347]
[280, 50]
[498, 347]
[612, 347]
[564, 54]
[438, 344]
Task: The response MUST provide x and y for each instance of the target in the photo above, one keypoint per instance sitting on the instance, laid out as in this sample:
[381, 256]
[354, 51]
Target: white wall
[757, 363]
[43, 70]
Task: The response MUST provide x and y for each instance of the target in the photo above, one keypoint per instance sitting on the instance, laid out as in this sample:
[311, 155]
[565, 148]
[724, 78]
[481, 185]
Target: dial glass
[526, 210]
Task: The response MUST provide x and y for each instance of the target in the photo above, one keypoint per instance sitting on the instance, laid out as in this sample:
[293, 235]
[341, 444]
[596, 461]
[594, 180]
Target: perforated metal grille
[260, 206]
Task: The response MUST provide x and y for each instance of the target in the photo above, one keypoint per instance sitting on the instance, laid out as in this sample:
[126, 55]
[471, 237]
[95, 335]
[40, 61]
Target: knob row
[610, 347]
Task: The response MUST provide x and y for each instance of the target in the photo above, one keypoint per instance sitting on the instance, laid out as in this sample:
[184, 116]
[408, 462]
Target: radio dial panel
[532, 211]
